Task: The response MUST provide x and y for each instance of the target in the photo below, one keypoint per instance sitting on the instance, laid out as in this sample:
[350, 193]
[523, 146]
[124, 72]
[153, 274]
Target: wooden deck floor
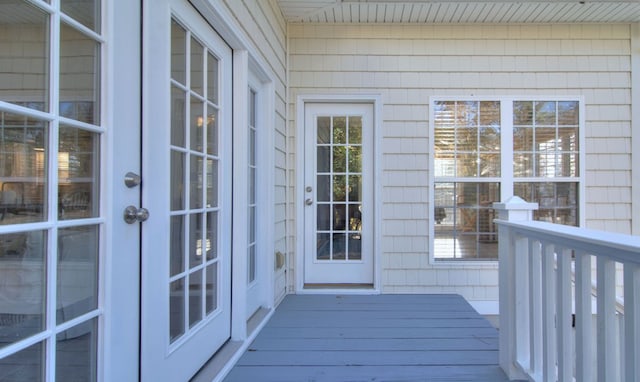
[372, 338]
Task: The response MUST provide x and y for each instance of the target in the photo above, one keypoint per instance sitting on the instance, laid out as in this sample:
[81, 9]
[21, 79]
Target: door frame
[376, 101]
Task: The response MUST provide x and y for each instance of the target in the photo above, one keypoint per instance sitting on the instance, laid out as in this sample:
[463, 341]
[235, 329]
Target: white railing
[557, 321]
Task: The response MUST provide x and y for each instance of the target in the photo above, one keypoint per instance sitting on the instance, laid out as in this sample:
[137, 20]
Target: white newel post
[514, 209]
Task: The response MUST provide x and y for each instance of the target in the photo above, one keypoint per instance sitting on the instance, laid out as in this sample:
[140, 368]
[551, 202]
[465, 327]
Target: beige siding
[409, 63]
[264, 25]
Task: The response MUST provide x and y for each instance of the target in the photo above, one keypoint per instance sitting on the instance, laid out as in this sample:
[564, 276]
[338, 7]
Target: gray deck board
[372, 338]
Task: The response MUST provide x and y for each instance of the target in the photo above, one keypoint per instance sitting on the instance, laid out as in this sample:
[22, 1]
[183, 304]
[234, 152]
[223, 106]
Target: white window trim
[506, 179]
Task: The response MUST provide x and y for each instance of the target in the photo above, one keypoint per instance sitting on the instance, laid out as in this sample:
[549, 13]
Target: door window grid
[545, 155]
[252, 184]
[50, 138]
[339, 188]
[195, 209]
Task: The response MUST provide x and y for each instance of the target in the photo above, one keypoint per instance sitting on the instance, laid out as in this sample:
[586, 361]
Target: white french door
[338, 194]
[52, 218]
[186, 254]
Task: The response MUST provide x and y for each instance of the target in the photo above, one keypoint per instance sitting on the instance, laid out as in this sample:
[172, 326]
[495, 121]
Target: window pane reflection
[22, 285]
[79, 76]
[86, 12]
[78, 173]
[77, 273]
[23, 169]
[25, 72]
[25, 365]
[77, 353]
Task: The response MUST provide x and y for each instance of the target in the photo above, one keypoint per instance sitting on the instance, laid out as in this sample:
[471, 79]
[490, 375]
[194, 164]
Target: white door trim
[376, 101]
[122, 81]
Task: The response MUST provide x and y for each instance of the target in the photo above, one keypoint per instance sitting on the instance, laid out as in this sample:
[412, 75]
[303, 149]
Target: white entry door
[338, 193]
[186, 254]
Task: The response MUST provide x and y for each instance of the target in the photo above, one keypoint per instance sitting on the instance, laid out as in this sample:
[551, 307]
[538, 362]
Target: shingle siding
[409, 63]
[264, 25]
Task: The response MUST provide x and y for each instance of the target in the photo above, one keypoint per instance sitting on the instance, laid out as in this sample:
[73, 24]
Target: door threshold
[338, 289]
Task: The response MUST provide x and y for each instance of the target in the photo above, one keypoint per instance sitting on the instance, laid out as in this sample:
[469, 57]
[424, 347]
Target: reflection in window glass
[467, 150]
[23, 169]
[77, 274]
[23, 274]
[78, 173]
[79, 76]
[77, 353]
[86, 12]
[25, 72]
[25, 365]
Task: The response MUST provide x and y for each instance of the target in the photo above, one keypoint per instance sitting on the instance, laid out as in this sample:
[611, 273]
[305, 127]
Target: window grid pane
[467, 148]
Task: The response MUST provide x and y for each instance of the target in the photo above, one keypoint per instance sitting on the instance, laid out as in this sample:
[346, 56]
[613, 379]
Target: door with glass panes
[186, 294]
[338, 194]
[52, 129]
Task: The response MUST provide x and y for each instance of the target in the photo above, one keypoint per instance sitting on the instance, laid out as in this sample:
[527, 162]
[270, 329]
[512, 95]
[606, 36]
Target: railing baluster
[632, 322]
[548, 313]
[565, 350]
[584, 334]
[607, 332]
[522, 301]
[535, 308]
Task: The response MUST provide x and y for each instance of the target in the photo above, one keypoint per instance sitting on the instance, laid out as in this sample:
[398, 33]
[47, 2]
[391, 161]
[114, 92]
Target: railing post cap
[515, 203]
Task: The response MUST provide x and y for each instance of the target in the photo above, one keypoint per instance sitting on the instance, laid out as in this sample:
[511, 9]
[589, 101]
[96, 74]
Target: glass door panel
[50, 222]
[339, 194]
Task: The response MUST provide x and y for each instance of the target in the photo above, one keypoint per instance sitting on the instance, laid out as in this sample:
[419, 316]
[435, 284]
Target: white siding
[264, 25]
[409, 63]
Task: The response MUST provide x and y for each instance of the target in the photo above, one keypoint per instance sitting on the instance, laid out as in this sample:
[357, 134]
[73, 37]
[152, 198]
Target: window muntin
[471, 171]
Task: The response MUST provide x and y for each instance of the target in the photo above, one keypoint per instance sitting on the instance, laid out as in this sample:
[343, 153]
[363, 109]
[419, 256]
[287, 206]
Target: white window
[486, 150]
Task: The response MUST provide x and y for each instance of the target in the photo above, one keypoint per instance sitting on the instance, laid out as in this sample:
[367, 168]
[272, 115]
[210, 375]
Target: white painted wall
[409, 63]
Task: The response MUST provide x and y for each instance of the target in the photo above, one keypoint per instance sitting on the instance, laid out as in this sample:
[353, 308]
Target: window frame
[506, 178]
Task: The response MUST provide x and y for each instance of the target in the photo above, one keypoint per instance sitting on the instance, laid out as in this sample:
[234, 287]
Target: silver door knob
[308, 202]
[133, 214]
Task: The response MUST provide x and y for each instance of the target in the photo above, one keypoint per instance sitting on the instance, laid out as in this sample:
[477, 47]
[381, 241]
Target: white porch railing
[546, 276]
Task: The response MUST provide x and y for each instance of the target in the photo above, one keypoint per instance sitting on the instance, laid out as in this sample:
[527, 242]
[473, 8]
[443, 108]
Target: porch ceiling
[460, 11]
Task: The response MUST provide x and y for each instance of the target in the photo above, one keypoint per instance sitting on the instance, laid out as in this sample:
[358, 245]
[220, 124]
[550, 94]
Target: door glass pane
[86, 12]
[212, 183]
[176, 233]
[212, 130]
[212, 235]
[195, 297]
[177, 180]
[178, 53]
[197, 57]
[176, 309]
[212, 78]
[25, 365]
[78, 173]
[24, 153]
[339, 181]
[79, 76]
[77, 273]
[178, 105]
[196, 169]
[339, 130]
[212, 288]
[197, 124]
[25, 72]
[195, 240]
[324, 130]
[23, 279]
[355, 130]
[77, 353]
